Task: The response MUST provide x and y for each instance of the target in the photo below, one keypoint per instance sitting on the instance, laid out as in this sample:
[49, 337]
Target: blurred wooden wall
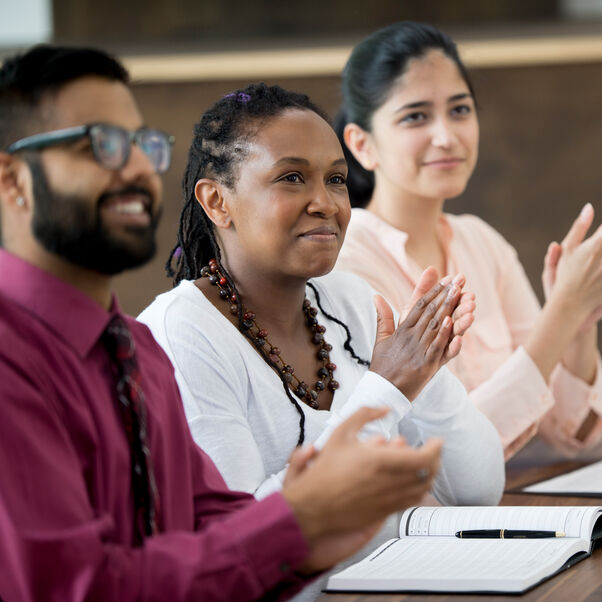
[540, 157]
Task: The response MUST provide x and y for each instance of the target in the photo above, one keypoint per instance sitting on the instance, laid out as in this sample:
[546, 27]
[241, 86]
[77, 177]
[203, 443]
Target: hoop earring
[20, 201]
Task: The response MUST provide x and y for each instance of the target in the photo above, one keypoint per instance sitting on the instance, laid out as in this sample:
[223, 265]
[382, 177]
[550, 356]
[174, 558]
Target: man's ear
[359, 142]
[210, 196]
[15, 182]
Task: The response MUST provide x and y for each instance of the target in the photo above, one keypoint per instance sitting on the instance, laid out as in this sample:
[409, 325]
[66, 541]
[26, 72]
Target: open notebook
[583, 482]
[428, 557]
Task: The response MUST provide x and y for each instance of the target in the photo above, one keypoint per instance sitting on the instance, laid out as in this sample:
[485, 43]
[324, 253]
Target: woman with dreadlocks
[270, 350]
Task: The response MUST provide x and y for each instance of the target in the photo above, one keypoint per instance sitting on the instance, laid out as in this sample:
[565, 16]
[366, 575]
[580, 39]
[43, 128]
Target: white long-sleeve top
[240, 415]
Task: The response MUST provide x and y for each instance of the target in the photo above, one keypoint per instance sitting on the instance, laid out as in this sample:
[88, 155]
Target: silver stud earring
[20, 201]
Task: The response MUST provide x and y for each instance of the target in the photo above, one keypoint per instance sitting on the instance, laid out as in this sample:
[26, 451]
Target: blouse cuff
[372, 391]
[575, 400]
[442, 397]
[515, 398]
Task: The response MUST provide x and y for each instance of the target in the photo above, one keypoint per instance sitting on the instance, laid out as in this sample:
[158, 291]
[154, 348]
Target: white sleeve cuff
[371, 391]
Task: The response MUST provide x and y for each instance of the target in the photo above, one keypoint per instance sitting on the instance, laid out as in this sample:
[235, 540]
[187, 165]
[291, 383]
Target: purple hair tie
[177, 252]
[242, 97]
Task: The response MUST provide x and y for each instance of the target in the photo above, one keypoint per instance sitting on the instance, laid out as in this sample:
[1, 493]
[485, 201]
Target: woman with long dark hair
[410, 132]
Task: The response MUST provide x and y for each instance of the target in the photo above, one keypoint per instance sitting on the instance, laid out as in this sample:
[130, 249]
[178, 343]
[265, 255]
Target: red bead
[262, 334]
[223, 281]
[327, 347]
[234, 299]
[275, 351]
[212, 262]
[249, 315]
[213, 268]
[331, 366]
[319, 328]
[333, 385]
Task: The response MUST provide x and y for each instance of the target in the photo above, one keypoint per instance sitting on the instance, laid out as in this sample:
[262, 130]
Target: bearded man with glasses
[103, 493]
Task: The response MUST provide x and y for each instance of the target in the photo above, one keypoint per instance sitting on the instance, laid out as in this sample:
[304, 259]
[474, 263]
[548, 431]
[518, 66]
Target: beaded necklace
[259, 336]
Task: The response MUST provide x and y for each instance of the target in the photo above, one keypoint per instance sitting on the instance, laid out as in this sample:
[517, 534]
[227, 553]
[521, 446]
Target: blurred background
[536, 65]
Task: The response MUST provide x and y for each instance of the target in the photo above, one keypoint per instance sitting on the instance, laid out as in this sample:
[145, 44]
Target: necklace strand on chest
[260, 338]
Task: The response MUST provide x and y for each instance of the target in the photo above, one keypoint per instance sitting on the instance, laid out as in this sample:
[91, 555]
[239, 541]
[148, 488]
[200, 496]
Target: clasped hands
[430, 335]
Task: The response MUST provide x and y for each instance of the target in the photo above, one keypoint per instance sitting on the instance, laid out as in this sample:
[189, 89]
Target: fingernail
[585, 211]
[446, 322]
[457, 279]
[445, 281]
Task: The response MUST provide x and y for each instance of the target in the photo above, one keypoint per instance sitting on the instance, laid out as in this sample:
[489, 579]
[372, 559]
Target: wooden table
[581, 583]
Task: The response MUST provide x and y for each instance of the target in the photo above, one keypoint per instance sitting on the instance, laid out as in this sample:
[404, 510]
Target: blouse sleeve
[214, 388]
[515, 397]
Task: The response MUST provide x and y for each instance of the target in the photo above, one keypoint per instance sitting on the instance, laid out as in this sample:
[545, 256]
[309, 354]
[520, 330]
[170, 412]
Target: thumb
[385, 322]
[298, 462]
[425, 283]
[352, 426]
[579, 228]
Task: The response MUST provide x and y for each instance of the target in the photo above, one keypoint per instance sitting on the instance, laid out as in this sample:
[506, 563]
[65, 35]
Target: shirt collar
[69, 312]
[397, 239]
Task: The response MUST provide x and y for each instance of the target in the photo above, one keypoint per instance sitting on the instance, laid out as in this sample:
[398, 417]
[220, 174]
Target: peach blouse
[503, 381]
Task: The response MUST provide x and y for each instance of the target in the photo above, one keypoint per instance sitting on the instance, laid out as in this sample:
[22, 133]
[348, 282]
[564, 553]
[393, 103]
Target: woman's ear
[359, 142]
[209, 194]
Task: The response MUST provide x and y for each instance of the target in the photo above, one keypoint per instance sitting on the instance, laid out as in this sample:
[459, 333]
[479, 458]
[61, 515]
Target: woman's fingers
[428, 279]
[579, 228]
[423, 303]
[436, 349]
[550, 264]
[385, 322]
[453, 349]
[429, 324]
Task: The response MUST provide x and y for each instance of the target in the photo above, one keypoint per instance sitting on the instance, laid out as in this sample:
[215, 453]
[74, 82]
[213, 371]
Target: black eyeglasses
[111, 144]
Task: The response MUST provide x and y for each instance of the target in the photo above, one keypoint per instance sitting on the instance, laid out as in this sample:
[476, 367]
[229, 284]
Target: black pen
[506, 534]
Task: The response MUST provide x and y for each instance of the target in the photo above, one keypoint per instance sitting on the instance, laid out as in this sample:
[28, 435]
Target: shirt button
[285, 567]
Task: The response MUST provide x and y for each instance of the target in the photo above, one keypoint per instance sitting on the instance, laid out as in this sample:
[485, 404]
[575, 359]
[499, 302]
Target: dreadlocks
[218, 147]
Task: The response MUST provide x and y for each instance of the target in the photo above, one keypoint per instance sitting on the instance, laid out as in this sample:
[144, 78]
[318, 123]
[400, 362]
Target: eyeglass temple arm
[38, 141]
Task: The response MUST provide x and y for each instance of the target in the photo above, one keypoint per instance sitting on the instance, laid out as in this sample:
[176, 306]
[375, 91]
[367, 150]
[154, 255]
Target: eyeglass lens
[112, 146]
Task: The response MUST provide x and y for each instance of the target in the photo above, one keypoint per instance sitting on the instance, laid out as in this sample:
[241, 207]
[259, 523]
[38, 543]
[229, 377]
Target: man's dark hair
[25, 79]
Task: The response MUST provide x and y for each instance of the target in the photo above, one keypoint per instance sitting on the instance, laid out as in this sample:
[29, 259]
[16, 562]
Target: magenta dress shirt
[65, 495]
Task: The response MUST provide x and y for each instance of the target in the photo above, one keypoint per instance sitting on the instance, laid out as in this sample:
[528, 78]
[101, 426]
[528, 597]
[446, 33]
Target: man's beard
[68, 226]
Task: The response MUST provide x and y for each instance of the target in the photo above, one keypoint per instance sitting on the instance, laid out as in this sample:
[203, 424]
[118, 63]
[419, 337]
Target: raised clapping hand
[573, 270]
[342, 494]
[431, 334]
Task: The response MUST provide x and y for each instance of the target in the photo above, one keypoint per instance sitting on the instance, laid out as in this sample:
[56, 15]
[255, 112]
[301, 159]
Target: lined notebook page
[584, 480]
[575, 521]
[459, 565]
